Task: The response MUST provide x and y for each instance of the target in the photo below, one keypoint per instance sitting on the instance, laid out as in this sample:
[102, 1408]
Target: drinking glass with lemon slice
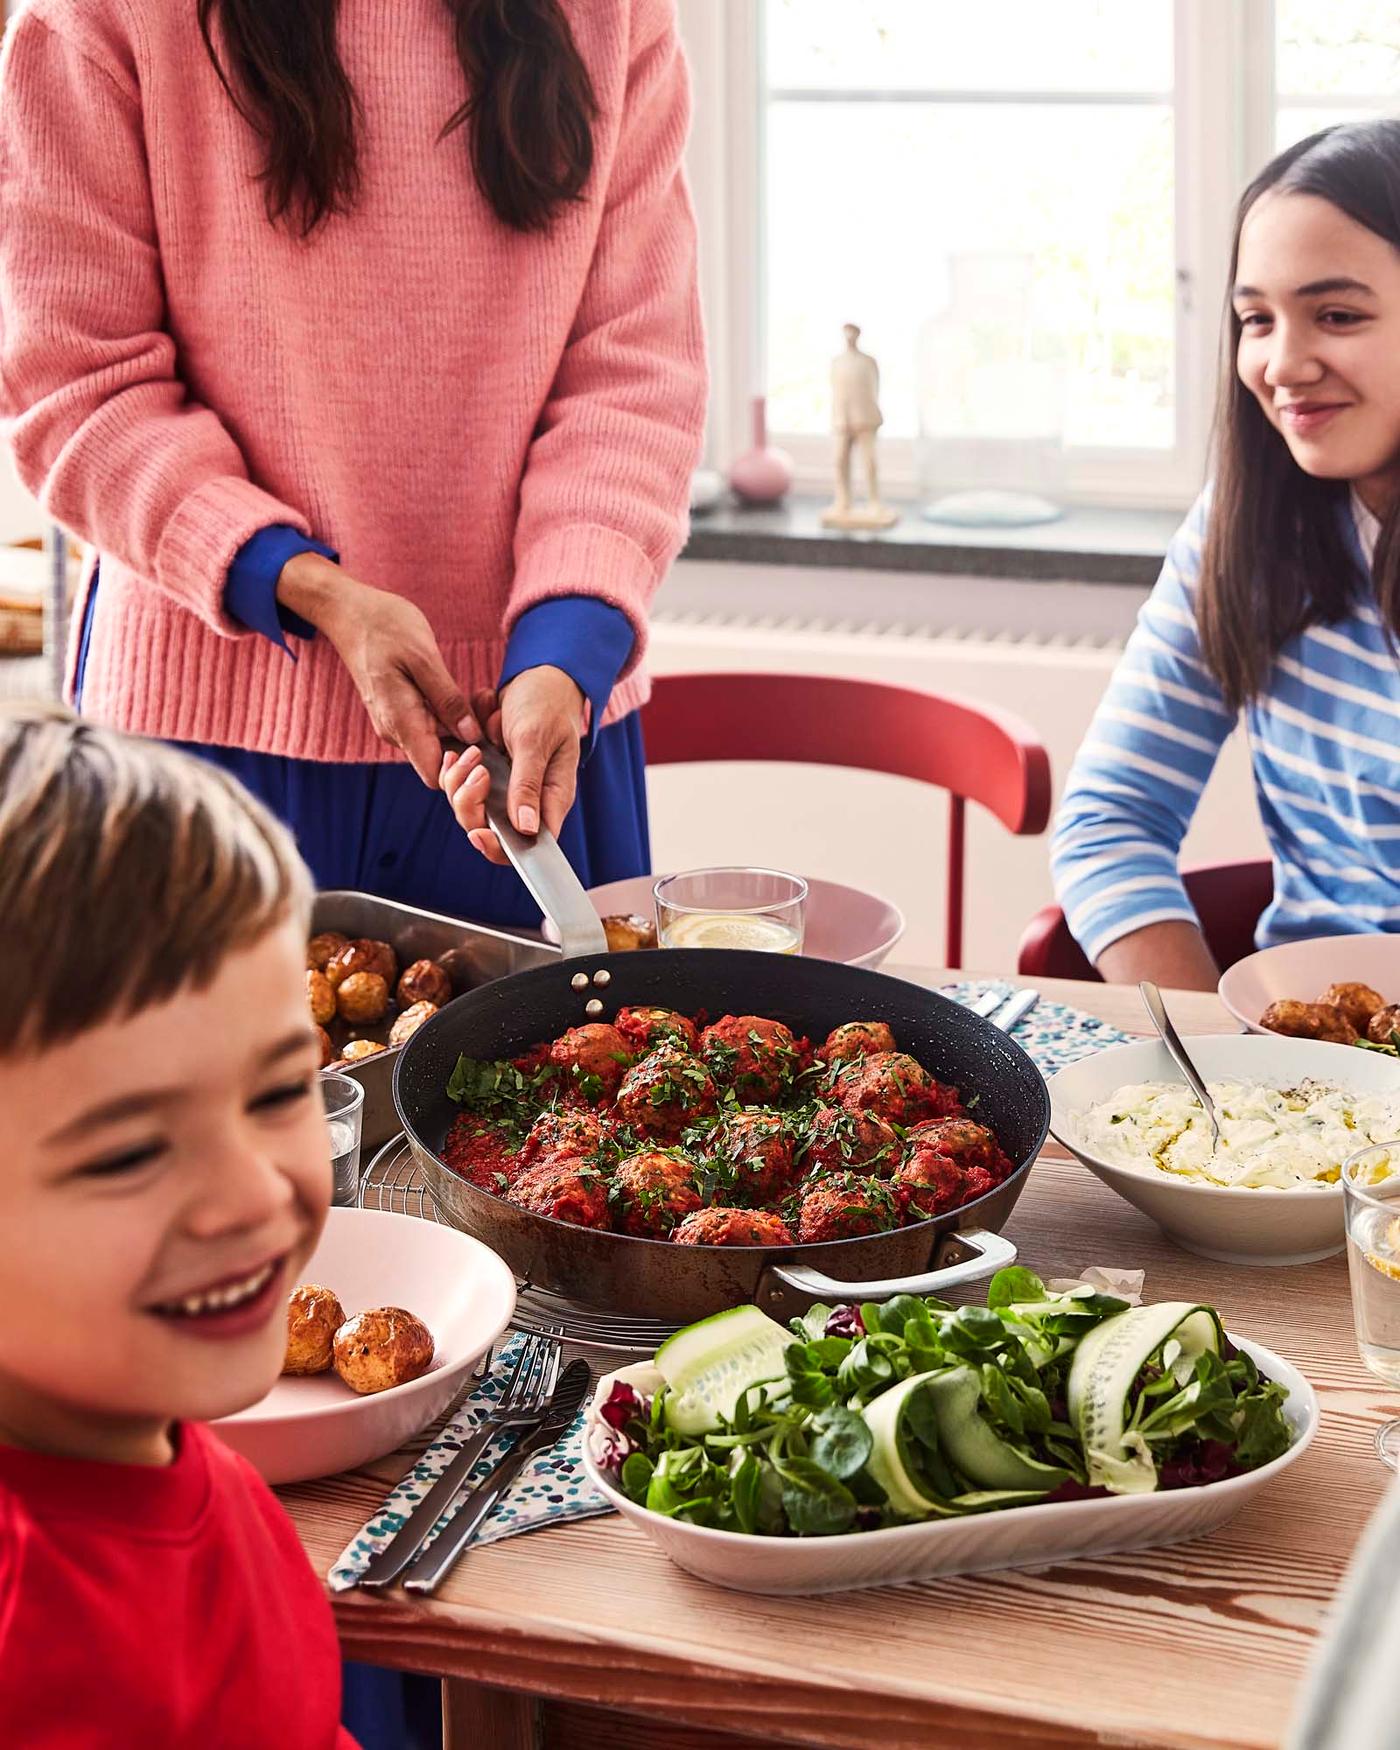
[758, 909]
[1371, 1188]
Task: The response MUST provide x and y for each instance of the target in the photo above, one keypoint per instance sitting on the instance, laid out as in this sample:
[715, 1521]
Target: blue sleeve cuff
[250, 590]
[589, 639]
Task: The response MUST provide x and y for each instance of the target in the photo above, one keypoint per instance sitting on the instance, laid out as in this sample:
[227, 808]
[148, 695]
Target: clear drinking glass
[344, 1100]
[1371, 1190]
[731, 908]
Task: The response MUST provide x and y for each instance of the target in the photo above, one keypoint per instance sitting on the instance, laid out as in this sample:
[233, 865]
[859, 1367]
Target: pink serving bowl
[1303, 970]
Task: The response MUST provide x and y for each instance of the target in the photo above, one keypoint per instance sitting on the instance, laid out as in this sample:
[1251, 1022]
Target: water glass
[344, 1101]
[1371, 1190]
[759, 909]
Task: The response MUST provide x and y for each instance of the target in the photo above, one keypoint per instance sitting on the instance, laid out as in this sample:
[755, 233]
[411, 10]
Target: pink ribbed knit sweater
[475, 419]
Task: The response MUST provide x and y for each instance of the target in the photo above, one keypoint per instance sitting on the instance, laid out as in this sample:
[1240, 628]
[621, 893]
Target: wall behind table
[1044, 651]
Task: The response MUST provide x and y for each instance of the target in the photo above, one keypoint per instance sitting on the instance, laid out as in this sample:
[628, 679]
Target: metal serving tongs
[1161, 1020]
[540, 863]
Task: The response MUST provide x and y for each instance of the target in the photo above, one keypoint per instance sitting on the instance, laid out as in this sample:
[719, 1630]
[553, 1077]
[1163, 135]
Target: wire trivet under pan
[392, 1182]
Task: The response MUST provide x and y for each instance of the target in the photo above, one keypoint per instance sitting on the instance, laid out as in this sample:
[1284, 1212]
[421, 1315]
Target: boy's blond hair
[127, 871]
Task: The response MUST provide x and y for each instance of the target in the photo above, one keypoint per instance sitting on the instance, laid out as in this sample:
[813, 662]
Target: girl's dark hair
[1277, 558]
[528, 110]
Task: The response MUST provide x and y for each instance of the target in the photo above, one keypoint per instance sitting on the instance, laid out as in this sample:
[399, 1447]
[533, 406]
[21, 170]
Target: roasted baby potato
[410, 1021]
[424, 982]
[1358, 1002]
[363, 955]
[320, 996]
[362, 998]
[322, 949]
[625, 933]
[327, 1049]
[358, 1048]
[314, 1315]
[383, 1347]
[1308, 1021]
[1383, 1023]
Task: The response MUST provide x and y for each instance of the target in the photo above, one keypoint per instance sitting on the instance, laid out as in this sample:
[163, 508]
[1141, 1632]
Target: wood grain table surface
[1195, 1645]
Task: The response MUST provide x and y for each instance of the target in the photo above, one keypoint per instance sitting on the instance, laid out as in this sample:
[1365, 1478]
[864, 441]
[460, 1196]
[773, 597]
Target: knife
[429, 1567]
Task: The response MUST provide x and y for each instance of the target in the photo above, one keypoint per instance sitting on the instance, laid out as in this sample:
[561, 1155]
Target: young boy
[164, 1174]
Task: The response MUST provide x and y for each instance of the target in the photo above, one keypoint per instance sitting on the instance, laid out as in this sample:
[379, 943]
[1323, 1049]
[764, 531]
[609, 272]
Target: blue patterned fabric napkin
[551, 1490]
[1052, 1034]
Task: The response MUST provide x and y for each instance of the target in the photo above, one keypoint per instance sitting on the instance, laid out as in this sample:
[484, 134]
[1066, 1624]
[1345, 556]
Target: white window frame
[1224, 108]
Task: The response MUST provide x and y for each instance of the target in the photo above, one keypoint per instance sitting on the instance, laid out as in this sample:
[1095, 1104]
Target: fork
[531, 1382]
[1005, 1012]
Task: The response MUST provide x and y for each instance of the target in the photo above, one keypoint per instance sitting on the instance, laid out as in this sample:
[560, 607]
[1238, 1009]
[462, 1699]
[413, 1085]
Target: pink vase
[762, 475]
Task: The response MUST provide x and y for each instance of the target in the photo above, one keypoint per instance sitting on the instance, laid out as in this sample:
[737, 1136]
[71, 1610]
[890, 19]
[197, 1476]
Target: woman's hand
[539, 721]
[391, 653]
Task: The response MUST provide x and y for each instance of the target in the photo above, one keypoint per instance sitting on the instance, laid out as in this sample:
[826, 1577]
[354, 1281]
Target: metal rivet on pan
[602, 977]
[579, 981]
[593, 1007]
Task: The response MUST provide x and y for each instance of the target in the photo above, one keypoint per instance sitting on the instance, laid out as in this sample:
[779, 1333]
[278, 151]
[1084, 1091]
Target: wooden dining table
[586, 1634]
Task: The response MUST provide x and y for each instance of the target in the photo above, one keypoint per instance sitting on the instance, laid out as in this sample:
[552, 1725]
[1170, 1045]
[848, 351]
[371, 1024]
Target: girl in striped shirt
[1279, 598]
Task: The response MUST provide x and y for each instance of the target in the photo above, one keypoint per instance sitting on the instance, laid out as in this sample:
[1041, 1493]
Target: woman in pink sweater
[361, 344]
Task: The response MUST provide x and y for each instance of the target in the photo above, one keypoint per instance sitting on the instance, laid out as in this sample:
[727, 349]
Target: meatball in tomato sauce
[758, 1059]
[666, 1091]
[652, 1192]
[562, 1133]
[644, 1029]
[901, 1090]
[751, 1153]
[845, 1206]
[566, 1190]
[856, 1039]
[837, 1140]
[961, 1140]
[593, 1057]
[733, 1227]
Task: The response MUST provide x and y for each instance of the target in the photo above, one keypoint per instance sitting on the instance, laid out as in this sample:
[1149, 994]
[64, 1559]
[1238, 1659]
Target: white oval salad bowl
[1017, 1537]
[1235, 1224]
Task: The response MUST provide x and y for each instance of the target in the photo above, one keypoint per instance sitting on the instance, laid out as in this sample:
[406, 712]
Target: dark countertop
[1085, 545]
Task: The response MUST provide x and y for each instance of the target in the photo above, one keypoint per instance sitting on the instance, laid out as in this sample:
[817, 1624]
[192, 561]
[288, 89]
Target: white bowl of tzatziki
[1291, 1111]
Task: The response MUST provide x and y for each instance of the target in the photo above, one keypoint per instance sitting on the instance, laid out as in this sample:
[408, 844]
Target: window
[1043, 190]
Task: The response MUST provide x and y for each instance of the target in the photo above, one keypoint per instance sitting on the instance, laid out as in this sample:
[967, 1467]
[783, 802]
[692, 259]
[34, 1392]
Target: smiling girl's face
[1318, 300]
[163, 1181]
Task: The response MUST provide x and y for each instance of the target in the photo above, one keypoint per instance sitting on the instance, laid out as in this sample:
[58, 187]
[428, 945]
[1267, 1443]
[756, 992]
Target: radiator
[888, 833]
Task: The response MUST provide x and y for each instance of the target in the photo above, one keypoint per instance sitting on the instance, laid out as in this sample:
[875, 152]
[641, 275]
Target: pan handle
[990, 1253]
[540, 864]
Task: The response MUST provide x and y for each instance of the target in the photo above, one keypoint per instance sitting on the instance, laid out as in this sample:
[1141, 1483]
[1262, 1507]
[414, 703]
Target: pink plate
[460, 1289]
[846, 924]
[1303, 970]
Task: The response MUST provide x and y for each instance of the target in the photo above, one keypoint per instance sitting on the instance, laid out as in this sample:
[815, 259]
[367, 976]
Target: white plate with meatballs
[1335, 988]
[392, 1314]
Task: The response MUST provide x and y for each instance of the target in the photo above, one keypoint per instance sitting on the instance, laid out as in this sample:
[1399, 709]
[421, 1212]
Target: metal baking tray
[471, 954]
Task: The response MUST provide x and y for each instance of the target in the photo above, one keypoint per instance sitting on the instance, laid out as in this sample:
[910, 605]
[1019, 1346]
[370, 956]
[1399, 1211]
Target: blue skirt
[378, 829]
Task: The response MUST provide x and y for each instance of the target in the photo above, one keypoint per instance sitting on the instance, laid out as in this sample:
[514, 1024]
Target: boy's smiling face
[163, 1181]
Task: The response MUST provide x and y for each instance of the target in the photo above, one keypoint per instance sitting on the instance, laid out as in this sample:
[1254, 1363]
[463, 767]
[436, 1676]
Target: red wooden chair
[974, 752]
[1228, 897]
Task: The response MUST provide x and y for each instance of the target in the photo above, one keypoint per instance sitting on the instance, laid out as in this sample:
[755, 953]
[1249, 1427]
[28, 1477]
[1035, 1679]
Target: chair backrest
[1229, 899]
[975, 752]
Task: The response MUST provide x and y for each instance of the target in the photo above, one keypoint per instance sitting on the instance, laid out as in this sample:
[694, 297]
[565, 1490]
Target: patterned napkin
[1051, 1034]
[551, 1490]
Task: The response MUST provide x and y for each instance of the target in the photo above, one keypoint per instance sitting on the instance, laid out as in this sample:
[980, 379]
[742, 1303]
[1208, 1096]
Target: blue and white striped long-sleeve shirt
[1325, 745]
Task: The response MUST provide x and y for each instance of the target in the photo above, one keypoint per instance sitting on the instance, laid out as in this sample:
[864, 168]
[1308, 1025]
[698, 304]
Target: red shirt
[159, 1607]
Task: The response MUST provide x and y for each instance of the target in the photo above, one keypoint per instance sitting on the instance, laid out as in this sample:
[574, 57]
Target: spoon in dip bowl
[1161, 1020]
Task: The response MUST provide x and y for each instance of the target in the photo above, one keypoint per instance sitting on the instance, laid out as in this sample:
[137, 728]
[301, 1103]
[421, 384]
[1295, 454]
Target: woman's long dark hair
[528, 110]
[1277, 559]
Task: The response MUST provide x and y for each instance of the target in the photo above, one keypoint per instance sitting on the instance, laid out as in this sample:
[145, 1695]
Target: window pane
[1295, 123]
[1337, 48]
[1001, 45]
[867, 204]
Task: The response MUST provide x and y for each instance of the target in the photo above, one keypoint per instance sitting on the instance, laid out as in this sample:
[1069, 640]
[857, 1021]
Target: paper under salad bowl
[1339, 1098]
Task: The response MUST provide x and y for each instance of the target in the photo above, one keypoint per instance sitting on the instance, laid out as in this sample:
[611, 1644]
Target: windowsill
[1085, 545]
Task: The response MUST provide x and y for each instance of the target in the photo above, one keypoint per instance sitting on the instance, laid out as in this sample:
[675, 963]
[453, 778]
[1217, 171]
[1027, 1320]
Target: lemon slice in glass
[731, 930]
[1388, 1265]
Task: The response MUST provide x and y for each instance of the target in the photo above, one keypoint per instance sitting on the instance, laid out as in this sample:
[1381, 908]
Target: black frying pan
[682, 1283]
